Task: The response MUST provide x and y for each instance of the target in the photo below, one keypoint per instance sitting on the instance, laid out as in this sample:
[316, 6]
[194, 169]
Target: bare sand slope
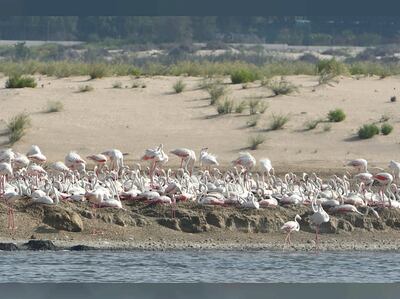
[133, 119]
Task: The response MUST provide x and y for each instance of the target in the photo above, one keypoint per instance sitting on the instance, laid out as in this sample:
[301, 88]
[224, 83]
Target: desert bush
[336, 115]
[54, 106]
[368, 131]
[256, 141]
[225, 107]
[117, 85]
[331, 66]
[97, 70]
[17, 127]
[17, 81]
[253, 106]
[241, 107]
[179, 86]
[216, 91]
[311, 124]
[243, 76]
[281, 86]
[85, 88]
[278, 121]
[252, 122]
[386, 129]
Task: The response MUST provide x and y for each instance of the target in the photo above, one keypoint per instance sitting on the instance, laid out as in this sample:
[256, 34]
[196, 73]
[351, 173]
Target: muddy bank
[152, 227]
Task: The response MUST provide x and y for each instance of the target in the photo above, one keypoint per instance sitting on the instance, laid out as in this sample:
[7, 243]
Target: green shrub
[312, 124]
[97, 70]
[17, 81]
[253, 106]
[179, 86]
[54, 106]
[386, 129]
[85, 88]
[243, 76]
[240, 108]
[331, 66]
[225, 107]
[281, 87]
[368, 131]
[278, 121]
[253, 121]
[17, 126]
[336, 115]
[216, 91]
[256, 141]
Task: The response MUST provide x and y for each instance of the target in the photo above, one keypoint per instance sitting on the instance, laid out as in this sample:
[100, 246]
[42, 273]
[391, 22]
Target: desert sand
[133, 119]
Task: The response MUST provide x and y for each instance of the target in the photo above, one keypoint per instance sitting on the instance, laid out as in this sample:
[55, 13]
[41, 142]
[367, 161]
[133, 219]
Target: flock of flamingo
[24, 176]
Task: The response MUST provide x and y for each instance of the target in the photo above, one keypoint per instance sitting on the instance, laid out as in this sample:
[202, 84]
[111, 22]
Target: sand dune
[133, 119]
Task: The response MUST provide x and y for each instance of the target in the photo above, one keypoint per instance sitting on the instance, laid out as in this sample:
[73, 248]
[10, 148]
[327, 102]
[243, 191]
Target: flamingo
[74, 161]
[6, 173]
[207, 158]
[395, 167]
[245, 160]
[100, 160]
[186, 155]
[384, 179]
[359, 164]
[150, 155]
[319, 217]
[116, 159]
[35, 155]
[289, 227]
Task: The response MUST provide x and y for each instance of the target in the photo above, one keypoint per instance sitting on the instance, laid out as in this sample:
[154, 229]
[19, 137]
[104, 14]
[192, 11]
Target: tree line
[139, 29]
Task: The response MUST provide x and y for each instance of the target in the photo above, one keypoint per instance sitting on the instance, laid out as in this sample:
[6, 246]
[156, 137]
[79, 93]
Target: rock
[241, 223]
[214, 219]
[119, 221]
[33, 237]
[81, 248]
[107, 218]
[170, 223]
[40, 245]
[87, 214]
[192, 224]
[378, 224]
[8, 247]
[329, 227]
[62, 219]
[345, 225]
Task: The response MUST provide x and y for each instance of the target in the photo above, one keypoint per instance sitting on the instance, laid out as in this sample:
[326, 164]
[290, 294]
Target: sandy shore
[133, 119]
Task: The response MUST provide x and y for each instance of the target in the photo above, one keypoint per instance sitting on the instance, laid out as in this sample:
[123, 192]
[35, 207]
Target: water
[198, 266]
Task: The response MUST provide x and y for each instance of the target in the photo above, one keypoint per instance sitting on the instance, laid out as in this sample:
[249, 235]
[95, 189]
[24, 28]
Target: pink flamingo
[207, 158]
[359, 164]
[384, 179]
[100, 160]
[74, 161]
[289, 227]
[187, 155]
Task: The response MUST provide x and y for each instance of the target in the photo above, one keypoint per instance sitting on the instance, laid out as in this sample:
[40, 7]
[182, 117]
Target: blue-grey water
[199, 266]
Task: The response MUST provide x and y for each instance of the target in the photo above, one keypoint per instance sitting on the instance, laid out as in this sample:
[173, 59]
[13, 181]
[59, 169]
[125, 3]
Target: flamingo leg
[284, 244]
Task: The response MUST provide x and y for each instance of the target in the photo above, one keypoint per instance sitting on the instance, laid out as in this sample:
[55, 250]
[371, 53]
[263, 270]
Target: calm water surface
[199, 266]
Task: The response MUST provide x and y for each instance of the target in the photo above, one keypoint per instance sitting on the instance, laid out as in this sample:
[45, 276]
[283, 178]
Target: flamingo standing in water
[207, 158]
[319, 217]
[289, 227]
